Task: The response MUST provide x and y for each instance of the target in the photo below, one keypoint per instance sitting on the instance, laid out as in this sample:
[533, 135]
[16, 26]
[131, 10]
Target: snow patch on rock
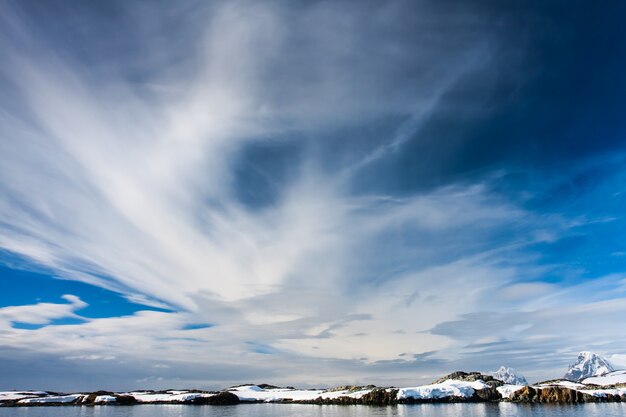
[52, 399]
[104, 399]
[612, 378]
[507, 390]
[448, 388]
[19, 395]
[255, 393]
[145, 397]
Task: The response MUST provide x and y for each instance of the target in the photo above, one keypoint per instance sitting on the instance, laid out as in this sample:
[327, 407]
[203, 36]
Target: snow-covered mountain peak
[509, 376]
[587, 365]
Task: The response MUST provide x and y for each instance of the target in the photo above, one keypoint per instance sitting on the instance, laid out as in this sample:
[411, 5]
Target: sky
[198, 194]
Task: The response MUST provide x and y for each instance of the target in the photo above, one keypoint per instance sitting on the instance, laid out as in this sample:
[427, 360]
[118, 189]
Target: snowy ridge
[604, 392]
[448, 388]
[564, 384]
[105, 399]
[601, 392]
[591, 375]
[256, 393]
[52, 399]
[509, 376]
[588, 365]
[612, 378]
[170, 396]
[507, 390]
[19, 395]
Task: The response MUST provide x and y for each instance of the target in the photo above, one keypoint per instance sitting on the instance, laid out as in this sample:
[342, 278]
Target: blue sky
[308, 193]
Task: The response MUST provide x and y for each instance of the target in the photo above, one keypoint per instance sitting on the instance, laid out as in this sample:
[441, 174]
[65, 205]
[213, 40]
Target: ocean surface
[299, 410]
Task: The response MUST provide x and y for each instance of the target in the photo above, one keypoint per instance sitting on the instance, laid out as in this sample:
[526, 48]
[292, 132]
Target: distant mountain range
[509, 376]
[590, 379]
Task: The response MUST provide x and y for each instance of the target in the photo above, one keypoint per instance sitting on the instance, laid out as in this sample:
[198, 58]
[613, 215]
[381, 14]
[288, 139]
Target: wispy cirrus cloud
[124, 180]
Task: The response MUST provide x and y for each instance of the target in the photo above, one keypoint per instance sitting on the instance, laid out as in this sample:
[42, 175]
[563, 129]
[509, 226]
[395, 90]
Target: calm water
[285, 410]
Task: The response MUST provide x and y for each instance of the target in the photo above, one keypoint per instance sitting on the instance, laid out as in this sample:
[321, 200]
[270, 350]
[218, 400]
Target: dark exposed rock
[380, 396]
[488, 394]
[558, 395]
[480, 396]
[351, 388]
[264, 386]
[469, 377]
[550, 393]
[223, 398]
[126, 400]
[91, 398]
[336, 401]
[270, 386]
[550, 382]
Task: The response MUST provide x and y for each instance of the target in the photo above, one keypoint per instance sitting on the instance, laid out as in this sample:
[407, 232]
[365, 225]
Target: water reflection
[299, 410]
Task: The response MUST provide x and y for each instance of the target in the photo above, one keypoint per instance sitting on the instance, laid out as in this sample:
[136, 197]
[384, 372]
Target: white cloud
[90, 358]
[129, 197]
[42, 313]
[132, 188]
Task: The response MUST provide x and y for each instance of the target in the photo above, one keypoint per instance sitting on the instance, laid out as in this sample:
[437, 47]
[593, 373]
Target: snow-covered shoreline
[598, 382]
[448, 390]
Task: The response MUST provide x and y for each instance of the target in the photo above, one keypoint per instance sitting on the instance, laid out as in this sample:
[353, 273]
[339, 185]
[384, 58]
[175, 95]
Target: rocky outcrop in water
[223, 398]
[377, 396]
[484, 395]
[380, 396]
[468, 377]
[457, 387]
[126, 400]
[559, 395]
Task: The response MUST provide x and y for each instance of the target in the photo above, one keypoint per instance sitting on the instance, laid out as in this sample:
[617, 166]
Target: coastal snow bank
[52, 399]
[612, 378]
[19, 395]
[508, 389]
[448, 388]
[167, 397]
[256, 393]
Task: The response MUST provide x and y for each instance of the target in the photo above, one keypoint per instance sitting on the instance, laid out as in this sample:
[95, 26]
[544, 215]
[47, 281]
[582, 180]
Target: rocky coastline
[490, 390]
